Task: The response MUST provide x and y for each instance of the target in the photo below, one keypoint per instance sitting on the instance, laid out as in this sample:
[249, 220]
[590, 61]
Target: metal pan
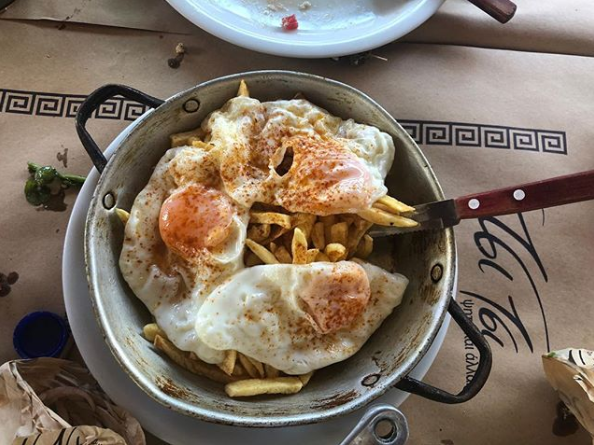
[428, 259]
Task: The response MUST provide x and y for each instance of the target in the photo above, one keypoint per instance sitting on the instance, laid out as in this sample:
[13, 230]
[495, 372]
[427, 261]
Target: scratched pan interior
[391, 352]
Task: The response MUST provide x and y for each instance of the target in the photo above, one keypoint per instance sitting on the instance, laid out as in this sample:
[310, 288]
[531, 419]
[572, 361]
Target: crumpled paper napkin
[54, 401]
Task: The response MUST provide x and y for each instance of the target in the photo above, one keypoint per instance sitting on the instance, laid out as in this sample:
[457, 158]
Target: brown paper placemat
[552, 26]
[155, 15]
[485, 118]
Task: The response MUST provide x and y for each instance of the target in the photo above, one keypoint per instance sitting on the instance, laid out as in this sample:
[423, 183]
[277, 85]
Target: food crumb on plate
[275, 6]
[290, 23]
[305, 6]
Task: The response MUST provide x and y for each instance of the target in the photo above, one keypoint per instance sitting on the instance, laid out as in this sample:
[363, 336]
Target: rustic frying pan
[428, 259]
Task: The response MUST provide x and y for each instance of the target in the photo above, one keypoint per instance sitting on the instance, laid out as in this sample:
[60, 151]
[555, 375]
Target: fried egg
[324, 178]
[183, 237]
[299, 318]
[342, 164]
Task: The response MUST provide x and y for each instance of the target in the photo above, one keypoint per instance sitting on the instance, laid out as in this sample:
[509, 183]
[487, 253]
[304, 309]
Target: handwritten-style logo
[507, 255]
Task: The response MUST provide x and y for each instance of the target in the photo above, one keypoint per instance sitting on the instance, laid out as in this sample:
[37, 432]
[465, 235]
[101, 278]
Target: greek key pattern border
[36, 103]
[462, 134]
[437, 133]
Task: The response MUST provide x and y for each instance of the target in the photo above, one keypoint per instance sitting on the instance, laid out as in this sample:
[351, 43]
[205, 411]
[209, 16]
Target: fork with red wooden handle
[520, 198]
[500, 10]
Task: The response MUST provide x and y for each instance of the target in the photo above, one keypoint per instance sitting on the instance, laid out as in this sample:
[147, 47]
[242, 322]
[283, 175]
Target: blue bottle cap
[41, 334]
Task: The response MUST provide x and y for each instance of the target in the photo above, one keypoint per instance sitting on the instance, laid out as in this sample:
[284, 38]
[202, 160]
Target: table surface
[490, 106]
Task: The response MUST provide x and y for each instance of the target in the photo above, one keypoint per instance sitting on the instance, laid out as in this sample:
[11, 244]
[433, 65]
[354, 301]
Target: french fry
[311, 255]
[305, 219]
[349, 219]
[305, 378]
[299, 247]
[122, 214]
[377, 205]
[273, 247]
[357, 230]
[305, 222]
[195, 366]
[197, 143]
[275, 233]
[283, 255]
[228, 364]
[255, 387]
[239, 370]
[251, 260]
[262, 252]
[394, 205]
[287, 240]
[322, 257]
[243, 89]
[335, 252]
[186, 138]
[328, 221]
[258, 365]
[151, 330]
[280, 219]
[258, 232]
[383, 218]
[317, 236]
[339, 233]
[365, 247]
[248, 366]
[271, 371]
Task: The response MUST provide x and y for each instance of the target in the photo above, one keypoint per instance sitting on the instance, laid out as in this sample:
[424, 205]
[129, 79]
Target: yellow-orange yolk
[335, 300]
[195, 218]
[325, 178]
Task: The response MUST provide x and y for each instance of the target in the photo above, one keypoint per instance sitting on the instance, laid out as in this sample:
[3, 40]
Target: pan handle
[93, 102]
[366, 431]
[479, 379]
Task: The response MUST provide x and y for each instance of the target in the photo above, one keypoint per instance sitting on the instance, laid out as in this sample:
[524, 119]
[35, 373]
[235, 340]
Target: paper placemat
[152, 15]
[485, 118]
[538, 26]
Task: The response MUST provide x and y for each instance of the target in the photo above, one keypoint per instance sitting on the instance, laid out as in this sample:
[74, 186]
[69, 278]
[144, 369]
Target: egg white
[172, 288]
[258, 313]
[246, 122]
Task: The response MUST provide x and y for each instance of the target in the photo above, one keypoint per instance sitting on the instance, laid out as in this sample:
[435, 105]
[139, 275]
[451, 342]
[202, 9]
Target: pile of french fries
[242, 375]
[276, 237]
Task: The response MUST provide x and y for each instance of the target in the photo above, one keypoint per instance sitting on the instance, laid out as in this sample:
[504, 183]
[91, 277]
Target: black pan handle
[93, 102]
[479, 379]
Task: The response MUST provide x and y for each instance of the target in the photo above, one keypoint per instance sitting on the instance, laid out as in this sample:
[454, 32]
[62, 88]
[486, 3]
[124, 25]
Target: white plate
[329, 28]
[166, 424]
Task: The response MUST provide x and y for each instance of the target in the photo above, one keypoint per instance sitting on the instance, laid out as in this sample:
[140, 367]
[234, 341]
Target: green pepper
[36, 194]
[37, 187]
[45, 175]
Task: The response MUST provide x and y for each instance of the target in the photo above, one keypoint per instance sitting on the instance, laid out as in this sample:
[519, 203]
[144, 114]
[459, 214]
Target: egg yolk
[335, 300]
[325, 178]
[195, 218]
